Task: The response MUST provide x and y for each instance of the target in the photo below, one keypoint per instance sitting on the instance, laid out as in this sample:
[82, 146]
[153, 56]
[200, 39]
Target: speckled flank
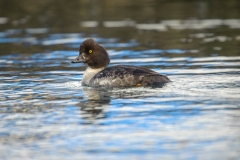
[127, 76]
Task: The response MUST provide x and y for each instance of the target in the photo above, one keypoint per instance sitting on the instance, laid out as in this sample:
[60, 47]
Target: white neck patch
[89, 73]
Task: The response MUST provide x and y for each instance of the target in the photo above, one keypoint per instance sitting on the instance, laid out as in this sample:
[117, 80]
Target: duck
[98, 74]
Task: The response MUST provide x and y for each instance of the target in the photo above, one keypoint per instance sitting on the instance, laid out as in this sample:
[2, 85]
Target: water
[45, 113]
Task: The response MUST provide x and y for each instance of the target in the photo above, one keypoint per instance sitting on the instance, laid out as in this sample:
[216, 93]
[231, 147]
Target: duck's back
[120, 76]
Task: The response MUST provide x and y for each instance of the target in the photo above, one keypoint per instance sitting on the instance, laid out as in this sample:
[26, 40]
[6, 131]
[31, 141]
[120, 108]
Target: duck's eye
[90, 51]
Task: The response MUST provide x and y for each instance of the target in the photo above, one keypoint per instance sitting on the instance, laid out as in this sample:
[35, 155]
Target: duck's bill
[79, 59]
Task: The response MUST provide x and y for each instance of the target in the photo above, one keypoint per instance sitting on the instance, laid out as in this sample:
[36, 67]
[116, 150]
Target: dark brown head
[91, 53]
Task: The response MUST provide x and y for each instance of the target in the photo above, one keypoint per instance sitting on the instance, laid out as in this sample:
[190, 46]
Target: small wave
[67, 85]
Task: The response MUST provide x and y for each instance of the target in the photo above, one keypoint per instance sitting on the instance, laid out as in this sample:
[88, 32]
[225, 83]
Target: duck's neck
[89, 74]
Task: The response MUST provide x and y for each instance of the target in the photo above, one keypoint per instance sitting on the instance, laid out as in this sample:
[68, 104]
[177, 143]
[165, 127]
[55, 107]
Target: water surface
[45, 113]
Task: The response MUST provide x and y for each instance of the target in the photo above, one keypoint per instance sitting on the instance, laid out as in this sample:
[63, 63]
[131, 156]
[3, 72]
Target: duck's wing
[127, 76]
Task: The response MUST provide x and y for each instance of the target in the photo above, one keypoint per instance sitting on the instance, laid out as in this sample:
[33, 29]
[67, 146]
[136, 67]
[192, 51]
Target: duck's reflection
[98, 99]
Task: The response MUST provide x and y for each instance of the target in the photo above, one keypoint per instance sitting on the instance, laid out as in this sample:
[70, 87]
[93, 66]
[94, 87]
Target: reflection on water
[45, 113]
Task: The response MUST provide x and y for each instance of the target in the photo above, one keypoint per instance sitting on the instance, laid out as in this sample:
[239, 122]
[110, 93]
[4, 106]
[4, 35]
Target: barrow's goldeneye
[99, 75]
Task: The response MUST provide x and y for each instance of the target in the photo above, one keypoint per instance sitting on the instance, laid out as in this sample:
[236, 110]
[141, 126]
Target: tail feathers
[154, 80]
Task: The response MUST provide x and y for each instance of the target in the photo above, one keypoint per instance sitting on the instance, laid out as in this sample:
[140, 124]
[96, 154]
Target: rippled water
[45, 113]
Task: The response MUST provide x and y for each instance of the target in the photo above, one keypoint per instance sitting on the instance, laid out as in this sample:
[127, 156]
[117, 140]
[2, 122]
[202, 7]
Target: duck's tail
[154, 80]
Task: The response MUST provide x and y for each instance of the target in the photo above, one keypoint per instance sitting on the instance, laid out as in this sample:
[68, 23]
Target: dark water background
[45, 113]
